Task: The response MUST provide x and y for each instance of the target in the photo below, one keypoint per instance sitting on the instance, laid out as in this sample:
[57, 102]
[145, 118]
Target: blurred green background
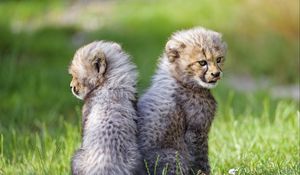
[257, 125]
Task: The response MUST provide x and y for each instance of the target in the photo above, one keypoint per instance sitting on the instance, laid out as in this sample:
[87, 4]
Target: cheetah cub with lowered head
[105, 79]
[176, 113]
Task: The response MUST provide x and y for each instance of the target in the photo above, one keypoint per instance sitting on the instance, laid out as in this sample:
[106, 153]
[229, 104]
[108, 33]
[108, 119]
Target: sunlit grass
[257, 144]
[251, 144]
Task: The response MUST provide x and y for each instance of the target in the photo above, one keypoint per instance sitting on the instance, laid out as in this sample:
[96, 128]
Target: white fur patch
[77, 96]
[206, 85]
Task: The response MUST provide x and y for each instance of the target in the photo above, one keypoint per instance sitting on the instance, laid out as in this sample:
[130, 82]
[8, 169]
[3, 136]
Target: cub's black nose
[216, 74]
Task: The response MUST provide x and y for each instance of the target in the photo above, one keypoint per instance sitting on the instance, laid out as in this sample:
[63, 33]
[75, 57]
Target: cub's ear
[117, 47]
[99, 63]
[173, 49]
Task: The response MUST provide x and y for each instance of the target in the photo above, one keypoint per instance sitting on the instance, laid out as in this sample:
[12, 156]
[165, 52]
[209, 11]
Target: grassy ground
[40, 119]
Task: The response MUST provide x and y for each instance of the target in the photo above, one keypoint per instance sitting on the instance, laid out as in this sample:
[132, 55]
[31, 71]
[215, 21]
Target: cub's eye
[219, 59]
[202, 62]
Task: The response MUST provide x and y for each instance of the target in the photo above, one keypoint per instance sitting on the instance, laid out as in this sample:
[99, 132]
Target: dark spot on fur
[173, 95]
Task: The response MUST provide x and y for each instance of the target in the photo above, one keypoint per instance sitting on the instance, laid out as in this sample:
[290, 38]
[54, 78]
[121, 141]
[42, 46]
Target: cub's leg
[76, 163]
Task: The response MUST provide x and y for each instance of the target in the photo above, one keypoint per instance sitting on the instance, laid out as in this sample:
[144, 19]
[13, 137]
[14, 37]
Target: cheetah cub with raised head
[176, 112]
[105, 78]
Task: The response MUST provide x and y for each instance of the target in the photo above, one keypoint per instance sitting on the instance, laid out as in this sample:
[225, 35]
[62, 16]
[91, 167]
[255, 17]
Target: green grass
[255, 144]
[252, 144]
[40, 119]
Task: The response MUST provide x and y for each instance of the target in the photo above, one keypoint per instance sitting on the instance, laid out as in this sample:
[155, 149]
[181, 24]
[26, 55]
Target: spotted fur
[176, 112]
[105, 79]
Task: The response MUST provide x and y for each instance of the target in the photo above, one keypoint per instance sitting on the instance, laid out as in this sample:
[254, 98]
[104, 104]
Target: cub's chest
[199, 110]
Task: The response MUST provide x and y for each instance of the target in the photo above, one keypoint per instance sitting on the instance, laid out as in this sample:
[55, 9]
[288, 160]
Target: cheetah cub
[176, 112]
[104, 77]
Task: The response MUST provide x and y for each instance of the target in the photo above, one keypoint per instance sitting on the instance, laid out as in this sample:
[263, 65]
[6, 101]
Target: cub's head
[196, 56]
[89, 66]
